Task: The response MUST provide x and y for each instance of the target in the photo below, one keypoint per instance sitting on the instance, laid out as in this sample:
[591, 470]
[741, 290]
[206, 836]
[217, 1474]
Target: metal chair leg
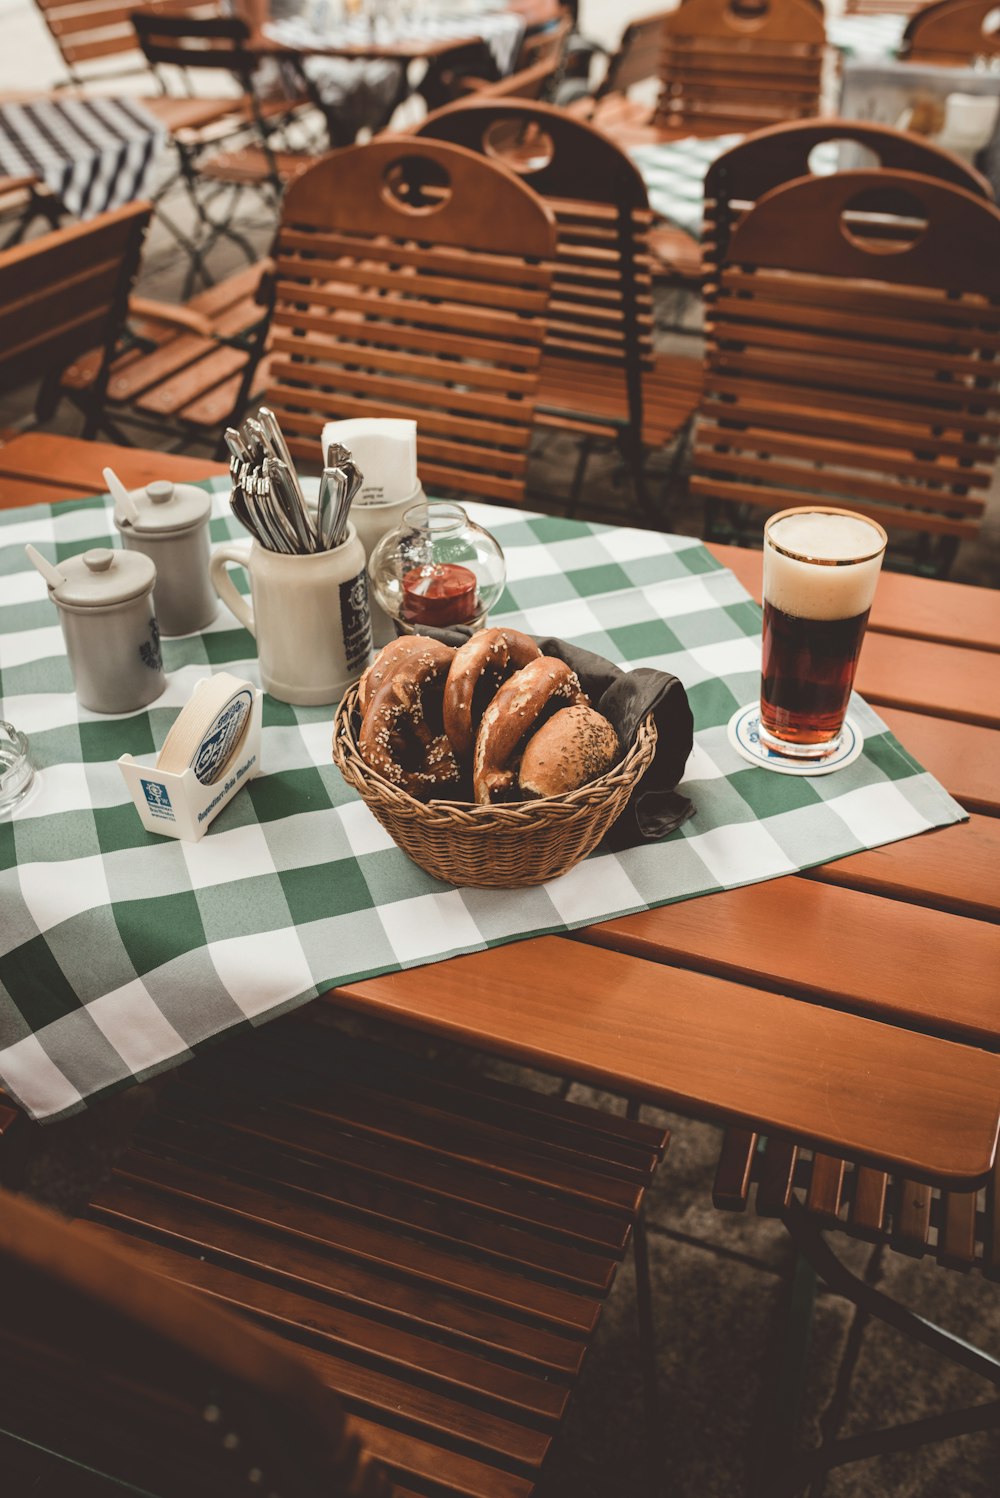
[811, 1467]
[778, 1427]
[586, 446]
[656, 1463]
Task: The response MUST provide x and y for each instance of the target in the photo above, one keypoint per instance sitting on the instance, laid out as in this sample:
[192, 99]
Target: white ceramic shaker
[169, 524]
[105, 603]
[386, 452]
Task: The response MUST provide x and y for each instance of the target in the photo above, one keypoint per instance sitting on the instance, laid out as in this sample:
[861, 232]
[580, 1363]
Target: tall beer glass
[820, 570]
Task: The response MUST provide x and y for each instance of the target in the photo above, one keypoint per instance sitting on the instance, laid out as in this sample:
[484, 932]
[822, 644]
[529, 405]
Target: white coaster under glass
[744, 735]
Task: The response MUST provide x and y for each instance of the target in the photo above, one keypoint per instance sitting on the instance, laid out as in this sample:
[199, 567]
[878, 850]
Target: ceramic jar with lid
[170, 526]
[105, 603]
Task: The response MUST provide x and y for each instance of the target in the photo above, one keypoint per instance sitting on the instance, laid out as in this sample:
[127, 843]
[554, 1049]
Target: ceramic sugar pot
[169, 524]
[105, 603]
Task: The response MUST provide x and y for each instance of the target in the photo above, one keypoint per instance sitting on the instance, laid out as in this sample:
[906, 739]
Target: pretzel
[492, 653]
[387, 663]
[512, 716]
[396, 738]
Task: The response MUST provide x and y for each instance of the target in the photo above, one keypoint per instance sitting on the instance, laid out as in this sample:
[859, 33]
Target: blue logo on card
[158, 799]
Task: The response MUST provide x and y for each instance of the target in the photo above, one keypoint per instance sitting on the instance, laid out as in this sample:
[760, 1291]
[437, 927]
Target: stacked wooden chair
[412, 280]
[852, 358]
[729, 65]
[723, 66]
[600, 379]
[951, 33]
[819, 1197]
[741, 176]
[308, 1225]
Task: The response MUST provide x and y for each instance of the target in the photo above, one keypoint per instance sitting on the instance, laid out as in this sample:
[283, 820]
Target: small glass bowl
[438, 568]
[16, 770]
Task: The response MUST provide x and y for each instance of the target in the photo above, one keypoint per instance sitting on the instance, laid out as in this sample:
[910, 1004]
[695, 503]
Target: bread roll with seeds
[575, 746]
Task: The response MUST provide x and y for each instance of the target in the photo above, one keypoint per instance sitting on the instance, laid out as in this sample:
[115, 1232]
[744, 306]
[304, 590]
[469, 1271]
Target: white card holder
[175, 803]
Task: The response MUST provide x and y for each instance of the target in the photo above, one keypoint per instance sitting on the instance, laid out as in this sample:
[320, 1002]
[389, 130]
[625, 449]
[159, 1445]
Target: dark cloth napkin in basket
[625, 697]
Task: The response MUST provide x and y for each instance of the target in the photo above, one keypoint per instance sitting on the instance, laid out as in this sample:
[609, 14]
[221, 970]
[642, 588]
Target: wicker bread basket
[498, 846]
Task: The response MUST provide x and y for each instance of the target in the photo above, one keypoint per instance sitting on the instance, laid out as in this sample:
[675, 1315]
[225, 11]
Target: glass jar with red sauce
[437, 569]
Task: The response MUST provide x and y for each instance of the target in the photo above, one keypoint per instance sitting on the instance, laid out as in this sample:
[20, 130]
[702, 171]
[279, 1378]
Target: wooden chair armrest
[175, 317]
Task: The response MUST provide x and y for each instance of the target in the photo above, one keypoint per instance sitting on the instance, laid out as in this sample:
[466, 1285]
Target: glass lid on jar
[437, 568]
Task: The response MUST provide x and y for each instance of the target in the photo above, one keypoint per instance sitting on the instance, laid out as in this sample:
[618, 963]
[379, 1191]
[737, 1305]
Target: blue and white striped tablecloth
[95, 153]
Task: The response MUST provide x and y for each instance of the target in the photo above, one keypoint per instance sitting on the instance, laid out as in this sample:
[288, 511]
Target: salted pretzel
[387, 663]
[512, 716]
[491, 655]
[397, 738]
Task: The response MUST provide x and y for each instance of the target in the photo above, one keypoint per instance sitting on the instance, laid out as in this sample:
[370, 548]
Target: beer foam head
[808, 589]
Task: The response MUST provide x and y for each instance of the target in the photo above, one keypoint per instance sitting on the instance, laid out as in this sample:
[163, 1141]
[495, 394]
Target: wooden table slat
[964, 757]
[952, 868]
[711, 1047]
[886, 958]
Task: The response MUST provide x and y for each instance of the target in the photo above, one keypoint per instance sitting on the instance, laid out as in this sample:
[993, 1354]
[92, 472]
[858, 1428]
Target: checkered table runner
[320, 25]
[95, 154]
[122, 952]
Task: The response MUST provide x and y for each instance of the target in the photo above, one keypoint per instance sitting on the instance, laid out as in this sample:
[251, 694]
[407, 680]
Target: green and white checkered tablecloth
[122, 952]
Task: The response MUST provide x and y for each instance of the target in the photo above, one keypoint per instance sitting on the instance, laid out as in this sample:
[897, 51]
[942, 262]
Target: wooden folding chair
[951, 33]
[412, 280]
[68, 317]
[263, 165]
[852, 357]
[534, 82]
[435, 1247]
[98, 44]
[816, 1195]
[600, 379]
[184, 371]
[63, 294]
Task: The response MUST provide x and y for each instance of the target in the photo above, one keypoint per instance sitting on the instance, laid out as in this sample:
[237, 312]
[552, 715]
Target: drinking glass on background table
[820, 569]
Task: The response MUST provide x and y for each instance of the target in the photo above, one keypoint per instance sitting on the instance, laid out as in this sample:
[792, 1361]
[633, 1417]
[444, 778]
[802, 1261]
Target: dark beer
[820, 571]
[807, 673]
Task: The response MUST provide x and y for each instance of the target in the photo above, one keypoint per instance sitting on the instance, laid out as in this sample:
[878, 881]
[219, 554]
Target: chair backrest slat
[183, 41]
[93, 30]
[731, 65]
[412, 280]
[860, 370]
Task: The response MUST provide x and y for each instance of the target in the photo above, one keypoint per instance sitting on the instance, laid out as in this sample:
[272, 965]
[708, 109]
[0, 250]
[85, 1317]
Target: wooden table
[854, 1006]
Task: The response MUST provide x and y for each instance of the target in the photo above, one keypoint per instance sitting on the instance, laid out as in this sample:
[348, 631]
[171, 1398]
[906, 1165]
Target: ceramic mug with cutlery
[308, 613]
